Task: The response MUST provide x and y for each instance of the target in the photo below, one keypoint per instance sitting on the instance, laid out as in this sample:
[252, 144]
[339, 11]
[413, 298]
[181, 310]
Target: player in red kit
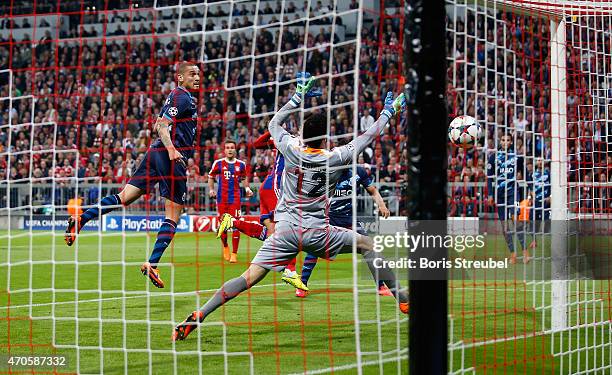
[229, 172]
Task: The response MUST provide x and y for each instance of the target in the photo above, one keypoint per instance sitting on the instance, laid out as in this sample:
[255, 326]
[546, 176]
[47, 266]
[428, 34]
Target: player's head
[506, 142]
[229, 149]
[188, 75]
[314, 130]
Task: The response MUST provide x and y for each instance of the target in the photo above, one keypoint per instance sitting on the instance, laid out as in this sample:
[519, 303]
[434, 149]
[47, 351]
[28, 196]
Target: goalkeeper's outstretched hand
[394, 106]
[305, 88]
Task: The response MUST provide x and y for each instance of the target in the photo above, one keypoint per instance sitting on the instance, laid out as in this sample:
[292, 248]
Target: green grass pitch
[91, 304]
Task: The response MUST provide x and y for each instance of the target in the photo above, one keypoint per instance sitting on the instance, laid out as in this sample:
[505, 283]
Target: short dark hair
[315, 126]
[229, 141]
[180, 69]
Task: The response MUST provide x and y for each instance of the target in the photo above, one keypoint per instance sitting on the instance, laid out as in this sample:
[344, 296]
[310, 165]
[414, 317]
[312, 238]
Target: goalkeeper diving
[310, 176]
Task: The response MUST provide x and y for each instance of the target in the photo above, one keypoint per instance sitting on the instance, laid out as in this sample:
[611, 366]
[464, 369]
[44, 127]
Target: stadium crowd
[104, 94]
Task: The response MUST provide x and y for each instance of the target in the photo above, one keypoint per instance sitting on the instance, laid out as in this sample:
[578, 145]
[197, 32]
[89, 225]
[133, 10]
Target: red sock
[291, 265]
[235, 241]
[224, 239]
[251, 229]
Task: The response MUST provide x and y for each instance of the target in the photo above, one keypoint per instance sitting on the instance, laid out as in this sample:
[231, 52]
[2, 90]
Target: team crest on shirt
[173, 111]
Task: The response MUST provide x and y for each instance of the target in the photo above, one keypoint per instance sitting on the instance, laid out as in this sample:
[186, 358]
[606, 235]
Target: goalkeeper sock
[94, 212]
[384, 274]
[235, 241]
[164, 237]
[228, 291]
[251, 229]
[309, 264]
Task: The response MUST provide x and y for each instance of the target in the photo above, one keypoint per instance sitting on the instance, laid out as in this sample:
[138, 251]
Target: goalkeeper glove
[394, 106]
[305, 83]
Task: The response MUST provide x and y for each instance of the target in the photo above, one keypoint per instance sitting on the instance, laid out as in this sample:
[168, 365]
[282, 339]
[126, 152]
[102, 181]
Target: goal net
[537, 75]
[81, 86]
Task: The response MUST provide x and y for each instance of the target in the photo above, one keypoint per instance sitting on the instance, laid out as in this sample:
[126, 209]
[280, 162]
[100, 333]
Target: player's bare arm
[162, 127]
[211, 187]
[247, 187]
[382, 207]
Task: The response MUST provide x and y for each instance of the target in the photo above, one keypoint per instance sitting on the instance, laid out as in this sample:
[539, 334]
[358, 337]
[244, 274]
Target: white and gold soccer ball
[464, 131]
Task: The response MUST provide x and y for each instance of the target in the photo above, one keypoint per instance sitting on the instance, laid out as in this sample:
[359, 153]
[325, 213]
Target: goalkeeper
[310, 176]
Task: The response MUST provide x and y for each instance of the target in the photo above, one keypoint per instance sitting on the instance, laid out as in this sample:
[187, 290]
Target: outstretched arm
[282, 138]
[344, 155]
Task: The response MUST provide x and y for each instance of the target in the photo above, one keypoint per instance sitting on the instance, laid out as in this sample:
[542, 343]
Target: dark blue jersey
[180, 108]
[341, 208]
[540, 186]
[502, 168]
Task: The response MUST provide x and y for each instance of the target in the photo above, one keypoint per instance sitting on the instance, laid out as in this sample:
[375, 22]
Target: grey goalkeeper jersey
[310, 175]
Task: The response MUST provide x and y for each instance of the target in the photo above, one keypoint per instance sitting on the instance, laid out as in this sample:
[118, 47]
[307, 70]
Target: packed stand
[105, 99]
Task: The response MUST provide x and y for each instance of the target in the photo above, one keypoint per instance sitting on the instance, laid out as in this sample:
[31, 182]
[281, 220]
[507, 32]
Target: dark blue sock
[521, 238]
[381, 283]
[509, 236]
[94, 212]
[309, 264]
[164, 237]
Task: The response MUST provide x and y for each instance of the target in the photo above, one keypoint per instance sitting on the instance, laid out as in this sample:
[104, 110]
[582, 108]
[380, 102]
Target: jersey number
[319, 177]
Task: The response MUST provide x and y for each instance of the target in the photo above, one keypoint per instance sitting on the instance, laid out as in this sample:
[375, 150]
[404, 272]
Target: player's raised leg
[107, 204]
[251, 229]
[227, 292]
[164, 238]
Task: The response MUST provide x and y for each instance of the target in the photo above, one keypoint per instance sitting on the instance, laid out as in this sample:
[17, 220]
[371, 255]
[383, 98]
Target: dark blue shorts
[156, 168]
[268, 215]
[506, 212]
[348, 224]
[539, 213]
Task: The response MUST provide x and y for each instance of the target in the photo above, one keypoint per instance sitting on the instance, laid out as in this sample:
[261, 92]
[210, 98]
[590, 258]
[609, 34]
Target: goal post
[558, 168]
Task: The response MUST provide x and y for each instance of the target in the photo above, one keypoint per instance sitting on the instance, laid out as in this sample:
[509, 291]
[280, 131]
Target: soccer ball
[464, 132]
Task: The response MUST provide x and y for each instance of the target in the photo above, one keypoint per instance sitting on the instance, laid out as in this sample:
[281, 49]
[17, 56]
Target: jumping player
[165, 163]
[228, 172]
[310, 175]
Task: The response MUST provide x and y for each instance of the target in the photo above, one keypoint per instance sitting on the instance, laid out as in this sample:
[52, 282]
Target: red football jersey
[228, 177]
